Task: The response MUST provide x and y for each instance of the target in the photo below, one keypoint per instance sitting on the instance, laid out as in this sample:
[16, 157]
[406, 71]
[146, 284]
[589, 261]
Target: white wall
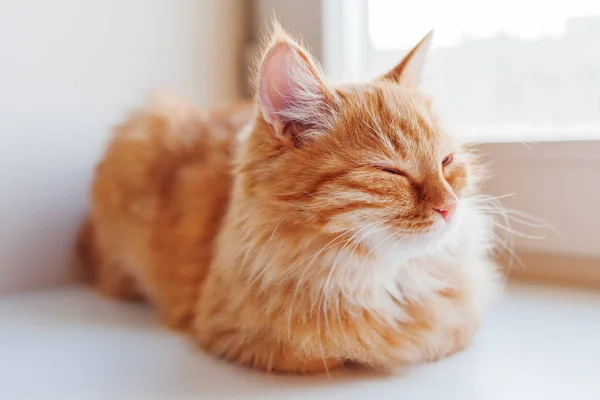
[69, 70]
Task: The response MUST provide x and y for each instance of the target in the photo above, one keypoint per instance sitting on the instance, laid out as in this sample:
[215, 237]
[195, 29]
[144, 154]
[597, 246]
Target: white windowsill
[71, 343]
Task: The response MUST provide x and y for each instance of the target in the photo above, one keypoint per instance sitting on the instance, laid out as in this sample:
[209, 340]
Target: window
[498, 69]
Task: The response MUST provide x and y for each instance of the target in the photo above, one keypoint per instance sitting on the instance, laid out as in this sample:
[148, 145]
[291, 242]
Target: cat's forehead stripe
[411, 124]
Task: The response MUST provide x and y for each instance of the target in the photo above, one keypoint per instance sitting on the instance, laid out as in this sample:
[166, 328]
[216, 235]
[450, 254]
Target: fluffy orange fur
[311, 229]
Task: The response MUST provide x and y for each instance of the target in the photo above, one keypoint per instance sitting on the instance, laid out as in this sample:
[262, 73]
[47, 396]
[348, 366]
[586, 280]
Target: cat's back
[167, 148]
[163, 184]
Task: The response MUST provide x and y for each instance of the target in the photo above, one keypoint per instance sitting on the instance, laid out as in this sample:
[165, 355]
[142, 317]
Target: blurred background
[521, 77]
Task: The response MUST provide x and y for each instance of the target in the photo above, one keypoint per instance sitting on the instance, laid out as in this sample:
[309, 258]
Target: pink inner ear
[275, 88]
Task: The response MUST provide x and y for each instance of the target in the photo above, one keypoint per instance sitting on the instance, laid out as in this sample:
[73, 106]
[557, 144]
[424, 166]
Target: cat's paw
[258, 352]
[461, 338]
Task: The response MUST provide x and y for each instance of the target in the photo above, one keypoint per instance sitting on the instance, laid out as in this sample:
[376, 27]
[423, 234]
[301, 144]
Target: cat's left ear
[409, 71]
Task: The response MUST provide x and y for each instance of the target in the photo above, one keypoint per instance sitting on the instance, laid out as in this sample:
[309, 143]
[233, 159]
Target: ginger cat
[320, 226]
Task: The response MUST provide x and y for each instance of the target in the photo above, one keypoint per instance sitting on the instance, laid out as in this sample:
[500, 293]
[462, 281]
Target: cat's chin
[416, 245]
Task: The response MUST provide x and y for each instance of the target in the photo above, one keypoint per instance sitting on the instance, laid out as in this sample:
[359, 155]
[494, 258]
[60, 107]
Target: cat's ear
[408, 72]
[292, 96]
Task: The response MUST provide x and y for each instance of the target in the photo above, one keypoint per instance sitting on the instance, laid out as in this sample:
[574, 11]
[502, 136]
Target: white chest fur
[416, 270]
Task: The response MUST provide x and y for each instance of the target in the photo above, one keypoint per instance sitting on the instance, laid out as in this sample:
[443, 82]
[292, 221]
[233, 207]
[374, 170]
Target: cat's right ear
[408, 71]
[292, 96]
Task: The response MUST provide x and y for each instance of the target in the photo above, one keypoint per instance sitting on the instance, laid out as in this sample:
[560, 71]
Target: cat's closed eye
[391, 170]
[447, 160]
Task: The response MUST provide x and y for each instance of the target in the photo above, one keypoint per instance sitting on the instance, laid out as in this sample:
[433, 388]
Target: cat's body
[285, 236]
[157, 203]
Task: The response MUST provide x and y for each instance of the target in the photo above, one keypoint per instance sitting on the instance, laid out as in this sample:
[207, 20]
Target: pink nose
[447, 210]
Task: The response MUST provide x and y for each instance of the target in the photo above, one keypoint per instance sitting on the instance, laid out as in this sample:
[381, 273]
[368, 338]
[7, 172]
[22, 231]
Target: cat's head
[361, 158]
